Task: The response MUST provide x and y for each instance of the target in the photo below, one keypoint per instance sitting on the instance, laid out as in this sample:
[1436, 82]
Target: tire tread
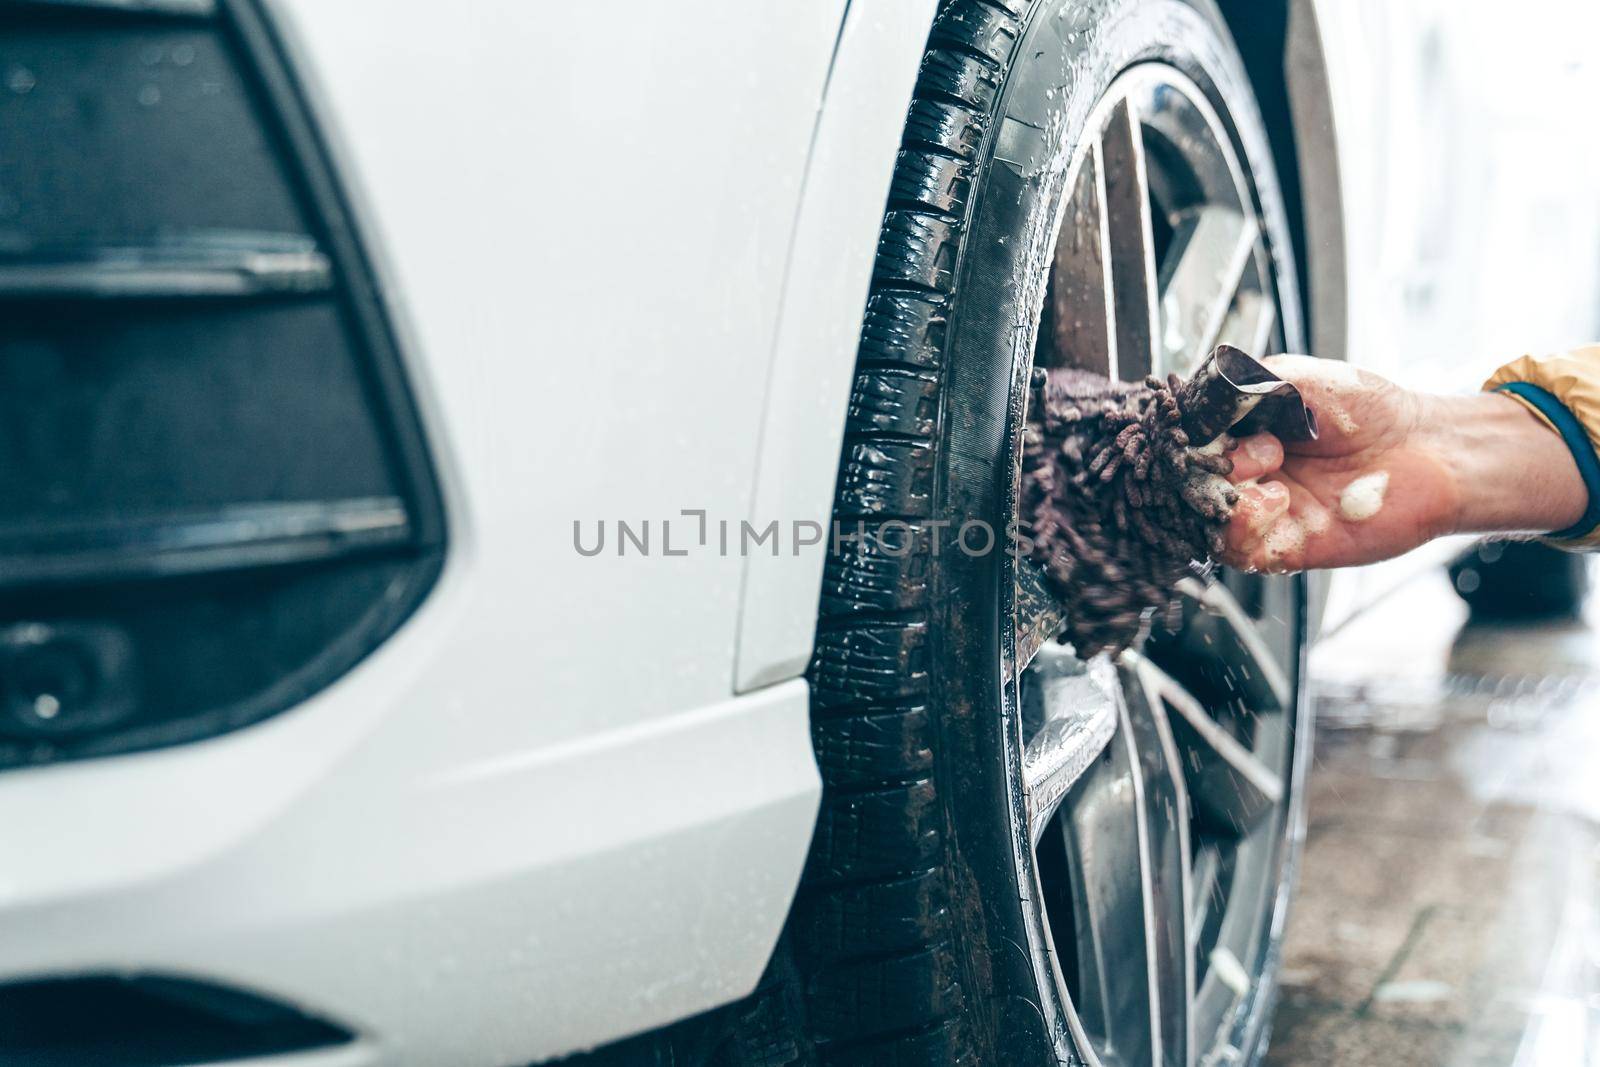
[874, 925]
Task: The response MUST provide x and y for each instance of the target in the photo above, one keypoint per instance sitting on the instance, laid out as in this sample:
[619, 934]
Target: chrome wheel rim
[1156, 790]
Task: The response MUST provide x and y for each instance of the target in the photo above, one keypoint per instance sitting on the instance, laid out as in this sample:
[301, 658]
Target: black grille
[214, 494]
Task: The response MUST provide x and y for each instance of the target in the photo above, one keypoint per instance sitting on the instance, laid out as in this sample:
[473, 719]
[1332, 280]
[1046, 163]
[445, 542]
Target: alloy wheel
[1157, 792]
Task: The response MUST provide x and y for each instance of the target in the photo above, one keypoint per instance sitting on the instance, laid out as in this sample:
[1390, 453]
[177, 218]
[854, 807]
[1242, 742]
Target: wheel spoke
[1130, 242]
[1211, 248]
[1231, 789]
[1202, 886]
[1175, 123]
[1106, 849]
[1070, 712]
[1080, 306]
[1221, 639]
[1164, 834]
[1250, 321]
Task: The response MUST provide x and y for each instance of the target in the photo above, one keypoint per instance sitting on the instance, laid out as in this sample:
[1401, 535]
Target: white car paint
[569, 801]
[825, 296]
[538, 818]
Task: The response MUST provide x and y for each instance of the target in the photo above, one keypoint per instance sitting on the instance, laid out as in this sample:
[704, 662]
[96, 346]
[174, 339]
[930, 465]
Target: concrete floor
[1449, 904]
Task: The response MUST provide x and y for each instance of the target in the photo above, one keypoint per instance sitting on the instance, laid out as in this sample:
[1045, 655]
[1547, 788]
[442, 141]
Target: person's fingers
[1255, 456]
[1259, 508]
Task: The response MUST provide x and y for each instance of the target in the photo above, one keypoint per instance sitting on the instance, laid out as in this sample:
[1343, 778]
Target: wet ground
[1449, 904]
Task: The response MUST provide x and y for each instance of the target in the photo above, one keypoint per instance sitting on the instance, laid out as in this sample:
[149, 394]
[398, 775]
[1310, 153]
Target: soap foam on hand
[1363, 498]
[1286, 540]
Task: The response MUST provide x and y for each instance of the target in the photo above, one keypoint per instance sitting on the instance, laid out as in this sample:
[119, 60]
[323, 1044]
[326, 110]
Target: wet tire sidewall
[1068, 55]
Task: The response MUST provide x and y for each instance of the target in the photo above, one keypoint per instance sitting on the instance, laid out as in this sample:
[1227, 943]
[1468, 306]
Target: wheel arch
[813, 358]
[1287, 63]
[1282, 48]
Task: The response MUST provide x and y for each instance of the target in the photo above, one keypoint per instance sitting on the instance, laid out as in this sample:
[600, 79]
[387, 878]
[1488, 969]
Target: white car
[425, 639]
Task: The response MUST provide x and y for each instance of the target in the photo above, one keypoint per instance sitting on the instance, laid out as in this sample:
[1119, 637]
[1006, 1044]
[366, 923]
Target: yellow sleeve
[1574, 379]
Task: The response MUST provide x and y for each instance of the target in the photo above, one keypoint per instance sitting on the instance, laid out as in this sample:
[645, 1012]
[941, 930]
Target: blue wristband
[1577, 442]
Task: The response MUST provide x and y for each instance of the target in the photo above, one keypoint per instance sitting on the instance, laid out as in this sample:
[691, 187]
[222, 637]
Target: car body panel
[473, 915]
[1307, 81]
[536, 819]
[815, 354]
[587, 260]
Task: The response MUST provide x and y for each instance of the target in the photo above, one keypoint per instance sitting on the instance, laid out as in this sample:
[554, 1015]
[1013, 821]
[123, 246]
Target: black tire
[1509, 581]
[910, 931]
[908, 941]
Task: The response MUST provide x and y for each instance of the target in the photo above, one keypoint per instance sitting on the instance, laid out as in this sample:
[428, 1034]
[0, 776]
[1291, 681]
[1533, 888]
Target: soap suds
[1230, 972]
[1217, 490]
[1363, 498]
[1339, 416]
[1286, 538]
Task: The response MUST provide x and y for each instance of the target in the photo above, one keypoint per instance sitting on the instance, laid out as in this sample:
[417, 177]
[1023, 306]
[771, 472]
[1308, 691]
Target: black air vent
[103, 1021]
[214, 496]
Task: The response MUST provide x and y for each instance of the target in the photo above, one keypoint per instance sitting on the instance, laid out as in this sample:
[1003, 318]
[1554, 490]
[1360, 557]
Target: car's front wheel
[1024, 858]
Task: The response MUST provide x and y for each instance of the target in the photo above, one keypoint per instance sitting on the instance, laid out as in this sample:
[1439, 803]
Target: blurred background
[1471, 171]
[1471, 184]
[1448, 906]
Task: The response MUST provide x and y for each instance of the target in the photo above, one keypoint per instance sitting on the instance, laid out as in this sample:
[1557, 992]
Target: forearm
[1508, 471]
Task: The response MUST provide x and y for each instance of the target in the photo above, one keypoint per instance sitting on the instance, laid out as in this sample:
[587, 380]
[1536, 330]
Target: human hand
[1391, 470]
